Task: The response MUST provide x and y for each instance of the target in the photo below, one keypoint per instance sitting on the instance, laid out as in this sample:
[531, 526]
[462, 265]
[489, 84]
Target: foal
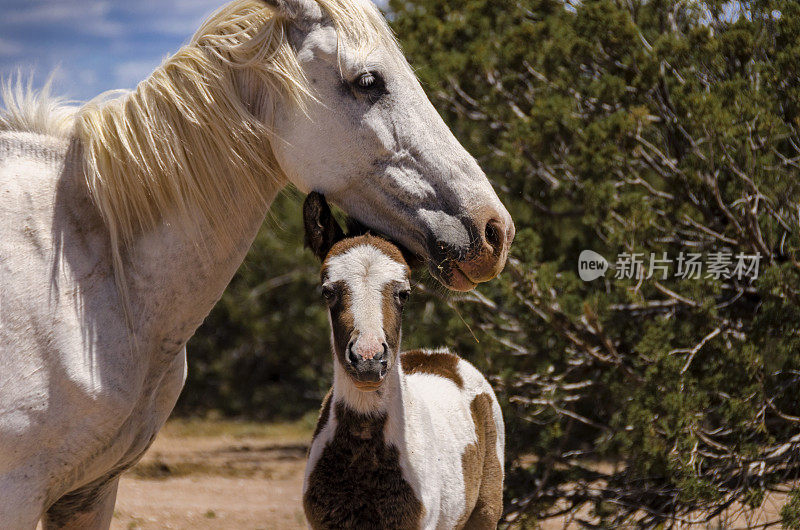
[411, 440]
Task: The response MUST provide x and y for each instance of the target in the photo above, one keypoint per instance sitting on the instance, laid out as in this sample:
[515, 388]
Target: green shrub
[631, 127]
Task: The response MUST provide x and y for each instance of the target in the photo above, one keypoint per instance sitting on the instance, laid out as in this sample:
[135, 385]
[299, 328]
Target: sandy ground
[227, 475]
[250, 479]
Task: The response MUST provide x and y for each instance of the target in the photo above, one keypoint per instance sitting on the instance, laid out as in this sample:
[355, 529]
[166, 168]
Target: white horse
[124, 220]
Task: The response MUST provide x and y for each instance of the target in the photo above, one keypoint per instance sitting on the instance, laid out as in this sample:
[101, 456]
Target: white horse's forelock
[184, 143]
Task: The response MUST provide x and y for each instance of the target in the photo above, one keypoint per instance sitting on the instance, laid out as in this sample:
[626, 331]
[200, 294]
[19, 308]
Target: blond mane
[184, 142]
[37, 111]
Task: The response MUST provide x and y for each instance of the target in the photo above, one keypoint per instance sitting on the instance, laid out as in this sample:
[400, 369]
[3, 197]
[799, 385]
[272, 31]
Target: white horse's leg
[20, 504]
[89, 508]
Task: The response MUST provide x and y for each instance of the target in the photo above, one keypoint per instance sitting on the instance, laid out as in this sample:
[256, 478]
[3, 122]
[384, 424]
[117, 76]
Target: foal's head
[365, 284]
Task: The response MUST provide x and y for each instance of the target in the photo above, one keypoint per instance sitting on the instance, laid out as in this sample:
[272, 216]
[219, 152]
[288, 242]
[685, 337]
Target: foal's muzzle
[368, 370]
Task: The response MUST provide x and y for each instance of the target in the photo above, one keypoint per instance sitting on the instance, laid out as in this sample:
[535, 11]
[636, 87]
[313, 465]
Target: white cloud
[86, 17]
[87, 77]
[182, 19]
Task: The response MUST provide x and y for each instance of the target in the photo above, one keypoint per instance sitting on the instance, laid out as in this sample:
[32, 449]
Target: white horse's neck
[386, 400]
[64, 344]
[174, 279]
[172, 271]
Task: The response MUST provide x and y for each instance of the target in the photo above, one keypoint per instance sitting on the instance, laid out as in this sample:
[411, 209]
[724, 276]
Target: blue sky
[94, 45]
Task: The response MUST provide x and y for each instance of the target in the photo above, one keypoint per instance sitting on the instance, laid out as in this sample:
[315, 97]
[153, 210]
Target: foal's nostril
[351, 355]
[383, 354]
[494, 234]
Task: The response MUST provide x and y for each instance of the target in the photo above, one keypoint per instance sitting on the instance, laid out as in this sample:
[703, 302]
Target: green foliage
[790, 513]
[644, 127]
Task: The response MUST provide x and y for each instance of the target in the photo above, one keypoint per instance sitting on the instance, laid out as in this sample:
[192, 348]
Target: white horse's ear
[299, 11]
[322, 230]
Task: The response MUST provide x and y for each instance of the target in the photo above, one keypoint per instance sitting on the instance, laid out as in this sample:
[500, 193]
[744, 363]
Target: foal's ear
[322, 230]
[298, 11]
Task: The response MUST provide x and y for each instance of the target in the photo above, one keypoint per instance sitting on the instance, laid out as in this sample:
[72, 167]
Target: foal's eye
[328, 294]
[402, 295]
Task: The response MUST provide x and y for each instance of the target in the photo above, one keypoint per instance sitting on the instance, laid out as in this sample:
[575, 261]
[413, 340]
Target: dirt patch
[217, 475]
[209, 502]
[250, 460]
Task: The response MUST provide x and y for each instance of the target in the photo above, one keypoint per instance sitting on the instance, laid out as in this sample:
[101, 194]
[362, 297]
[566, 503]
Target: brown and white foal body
[411, 440]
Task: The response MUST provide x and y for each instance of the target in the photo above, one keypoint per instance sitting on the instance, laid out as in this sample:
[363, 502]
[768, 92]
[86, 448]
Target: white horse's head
[371, 141]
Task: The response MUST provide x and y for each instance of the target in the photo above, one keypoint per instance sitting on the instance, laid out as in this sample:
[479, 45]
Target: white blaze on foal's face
[365, 283]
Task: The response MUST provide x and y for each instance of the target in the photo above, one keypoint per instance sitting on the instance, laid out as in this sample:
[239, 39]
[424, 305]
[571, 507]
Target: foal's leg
[88, 508]
[489, 505]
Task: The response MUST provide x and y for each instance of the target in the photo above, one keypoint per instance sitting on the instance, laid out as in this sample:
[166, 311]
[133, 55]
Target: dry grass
[201, 428]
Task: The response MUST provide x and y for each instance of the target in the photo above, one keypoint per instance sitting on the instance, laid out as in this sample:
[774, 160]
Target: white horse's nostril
[494, 234]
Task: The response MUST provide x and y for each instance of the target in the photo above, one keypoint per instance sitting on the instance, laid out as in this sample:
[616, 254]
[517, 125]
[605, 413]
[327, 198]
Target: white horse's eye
[367, 80]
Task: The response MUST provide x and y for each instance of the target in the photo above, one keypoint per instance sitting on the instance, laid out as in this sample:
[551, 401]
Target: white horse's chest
[75, 400]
